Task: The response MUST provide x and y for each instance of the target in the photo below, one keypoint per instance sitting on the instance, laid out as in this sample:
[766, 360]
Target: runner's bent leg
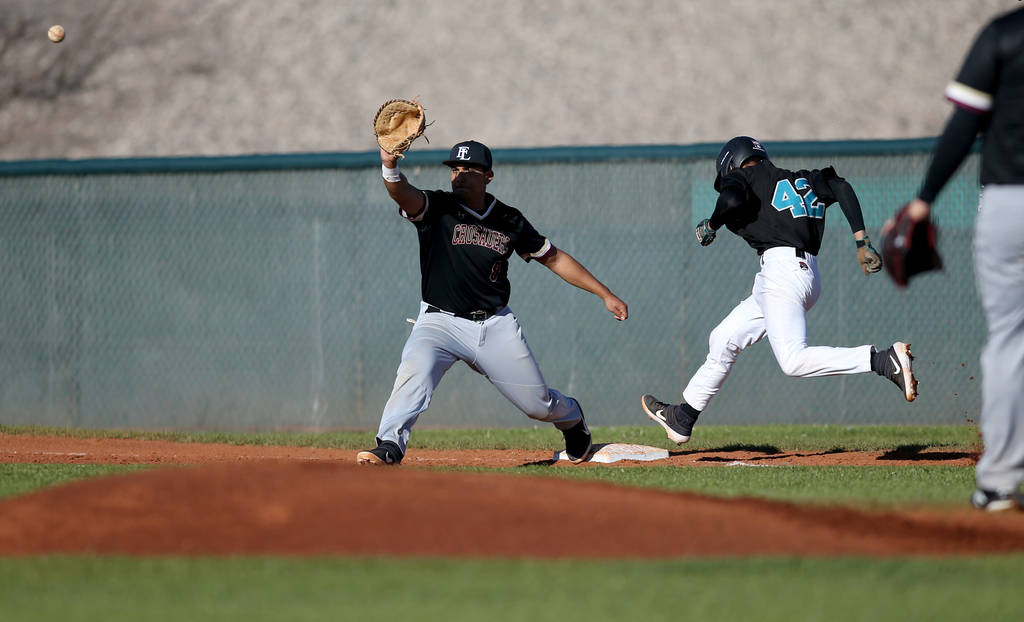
[786, 289]
[743, 327]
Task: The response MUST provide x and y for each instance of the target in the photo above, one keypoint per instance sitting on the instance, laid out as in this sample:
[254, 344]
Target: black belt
[476, 316]
[799, 253]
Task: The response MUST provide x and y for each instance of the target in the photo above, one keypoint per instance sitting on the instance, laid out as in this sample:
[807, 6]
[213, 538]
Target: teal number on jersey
[789, 197]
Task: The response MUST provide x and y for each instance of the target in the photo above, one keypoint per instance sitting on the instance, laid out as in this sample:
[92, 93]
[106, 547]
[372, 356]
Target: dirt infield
[53, 449]
[304, 501]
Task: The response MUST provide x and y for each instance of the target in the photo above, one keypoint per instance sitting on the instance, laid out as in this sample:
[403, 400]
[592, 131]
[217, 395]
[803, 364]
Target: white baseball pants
[784, 291]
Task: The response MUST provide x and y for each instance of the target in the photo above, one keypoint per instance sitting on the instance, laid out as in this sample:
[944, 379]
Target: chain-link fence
[273, 291]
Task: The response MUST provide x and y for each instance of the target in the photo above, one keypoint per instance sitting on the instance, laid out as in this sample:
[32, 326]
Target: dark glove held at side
[705, 234]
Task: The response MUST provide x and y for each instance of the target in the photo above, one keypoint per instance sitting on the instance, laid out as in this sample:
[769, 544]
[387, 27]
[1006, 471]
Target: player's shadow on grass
[768, 452]
[762, 449]
[918, 452]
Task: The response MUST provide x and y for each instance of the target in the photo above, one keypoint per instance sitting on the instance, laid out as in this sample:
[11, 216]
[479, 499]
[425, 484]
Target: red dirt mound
[318, 508]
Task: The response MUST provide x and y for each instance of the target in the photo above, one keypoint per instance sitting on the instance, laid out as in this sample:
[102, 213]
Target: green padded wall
[272, 291]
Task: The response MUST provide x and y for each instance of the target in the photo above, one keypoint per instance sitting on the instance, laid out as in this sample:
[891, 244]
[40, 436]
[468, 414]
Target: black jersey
[464, 255]
[991, 82]
[782, 207]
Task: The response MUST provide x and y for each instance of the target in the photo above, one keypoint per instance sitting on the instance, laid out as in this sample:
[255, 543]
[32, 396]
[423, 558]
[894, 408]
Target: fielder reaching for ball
[466, 239]
[989, 98]
[781, 215]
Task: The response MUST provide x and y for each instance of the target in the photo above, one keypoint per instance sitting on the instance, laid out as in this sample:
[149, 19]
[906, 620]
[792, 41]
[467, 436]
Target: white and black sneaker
[385, 453]
[899, 367]
[992, 501]
[578, 441]
[677, 422]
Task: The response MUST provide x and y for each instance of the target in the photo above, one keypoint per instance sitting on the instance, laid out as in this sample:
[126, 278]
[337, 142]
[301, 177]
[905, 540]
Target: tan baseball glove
[398, 123]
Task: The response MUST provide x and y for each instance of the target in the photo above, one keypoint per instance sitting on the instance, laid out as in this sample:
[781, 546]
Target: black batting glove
[705, 234]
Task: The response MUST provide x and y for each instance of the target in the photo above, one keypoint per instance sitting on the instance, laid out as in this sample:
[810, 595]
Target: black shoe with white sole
[386, 453]
[992, 501]
[678, 423]
[898, 366]
[578, 442]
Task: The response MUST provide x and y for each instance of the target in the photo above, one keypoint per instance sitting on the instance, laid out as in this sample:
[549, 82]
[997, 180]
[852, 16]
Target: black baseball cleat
[677, 422]
[899, 367]
[992, 501]
[578, 442]
[385, 453]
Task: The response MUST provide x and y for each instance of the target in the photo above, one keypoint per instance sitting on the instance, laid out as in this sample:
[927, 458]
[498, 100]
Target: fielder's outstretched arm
[565, 265]
[409, 198]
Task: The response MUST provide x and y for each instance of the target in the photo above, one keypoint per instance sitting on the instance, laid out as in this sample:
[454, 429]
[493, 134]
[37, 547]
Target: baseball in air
[56, 33]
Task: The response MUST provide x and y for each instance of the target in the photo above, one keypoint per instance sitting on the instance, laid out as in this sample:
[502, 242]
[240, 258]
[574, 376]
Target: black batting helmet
[734, 153]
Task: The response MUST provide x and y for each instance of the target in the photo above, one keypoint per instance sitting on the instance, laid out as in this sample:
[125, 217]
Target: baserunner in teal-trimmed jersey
[781, 215]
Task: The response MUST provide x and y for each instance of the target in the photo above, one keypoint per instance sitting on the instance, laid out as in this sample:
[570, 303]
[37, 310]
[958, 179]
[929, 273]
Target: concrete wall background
[207, 77]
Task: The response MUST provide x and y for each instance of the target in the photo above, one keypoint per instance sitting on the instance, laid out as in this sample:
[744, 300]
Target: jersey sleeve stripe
[544, 250]
[969, 98]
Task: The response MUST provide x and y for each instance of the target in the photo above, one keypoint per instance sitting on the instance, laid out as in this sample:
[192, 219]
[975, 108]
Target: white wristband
[391, 174]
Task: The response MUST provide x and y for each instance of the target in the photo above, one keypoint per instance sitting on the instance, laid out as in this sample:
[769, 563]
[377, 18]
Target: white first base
[613, 452]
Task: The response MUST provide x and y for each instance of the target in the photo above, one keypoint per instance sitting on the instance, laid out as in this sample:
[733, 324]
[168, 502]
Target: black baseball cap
[469, 152]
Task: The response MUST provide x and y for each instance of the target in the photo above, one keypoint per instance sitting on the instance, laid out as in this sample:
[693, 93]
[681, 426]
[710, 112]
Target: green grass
[775, 437]
[765, 589]
[846, 485]
[882, 486]
[16, 479]
[858, 486]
